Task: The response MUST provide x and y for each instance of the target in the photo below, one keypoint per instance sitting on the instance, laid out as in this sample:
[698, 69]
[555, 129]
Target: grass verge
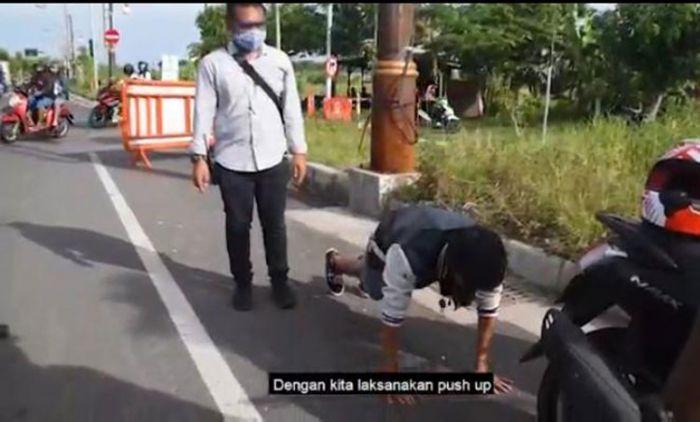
[544, 194]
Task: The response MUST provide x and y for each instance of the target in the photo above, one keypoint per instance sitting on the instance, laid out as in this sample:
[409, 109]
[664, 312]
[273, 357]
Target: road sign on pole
[331, 67]
[111, 37]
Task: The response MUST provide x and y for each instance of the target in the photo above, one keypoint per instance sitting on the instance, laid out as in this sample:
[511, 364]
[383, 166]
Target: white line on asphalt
[227, 392]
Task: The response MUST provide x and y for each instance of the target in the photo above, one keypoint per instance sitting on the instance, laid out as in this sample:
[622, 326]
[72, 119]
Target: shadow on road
[322, 334]
[118, 159]
[30, 392]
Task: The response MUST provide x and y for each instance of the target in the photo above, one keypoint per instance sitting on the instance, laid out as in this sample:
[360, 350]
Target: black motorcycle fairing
[592, 291]
[592, 391]
[589, 294]
[640, 247]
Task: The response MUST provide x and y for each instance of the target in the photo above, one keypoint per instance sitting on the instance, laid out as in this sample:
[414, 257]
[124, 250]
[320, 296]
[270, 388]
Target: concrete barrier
[327, 183]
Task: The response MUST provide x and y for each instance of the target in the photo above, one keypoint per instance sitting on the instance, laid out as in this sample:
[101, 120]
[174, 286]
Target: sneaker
[334, 282]
[284, 296]
[243, 298]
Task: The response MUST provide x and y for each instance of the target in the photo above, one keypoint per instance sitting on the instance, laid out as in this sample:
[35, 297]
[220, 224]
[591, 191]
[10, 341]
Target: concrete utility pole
[329, 51]
[394, 92]
[110, 17]
[278, 27]
[94, 42]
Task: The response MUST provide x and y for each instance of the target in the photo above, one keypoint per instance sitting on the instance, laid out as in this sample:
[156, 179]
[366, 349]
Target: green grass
[337, 143]
[541, 193]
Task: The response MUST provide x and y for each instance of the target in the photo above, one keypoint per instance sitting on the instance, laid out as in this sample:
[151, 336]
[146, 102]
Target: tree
[4, 55]
[353, 23]
[211, 23]
[303, 28]
[658, 45]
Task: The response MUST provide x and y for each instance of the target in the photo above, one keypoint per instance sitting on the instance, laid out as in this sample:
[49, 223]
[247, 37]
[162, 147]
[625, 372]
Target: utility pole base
[393, 117]
[370, 191]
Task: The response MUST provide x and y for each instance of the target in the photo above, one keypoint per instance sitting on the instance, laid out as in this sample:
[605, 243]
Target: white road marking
[227, 392]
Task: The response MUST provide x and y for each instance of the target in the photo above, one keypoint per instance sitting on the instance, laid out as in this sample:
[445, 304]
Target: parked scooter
[108, 108]
[650, 270]
[589, 388]
[634, 271]
[440, 116]
[15, 120]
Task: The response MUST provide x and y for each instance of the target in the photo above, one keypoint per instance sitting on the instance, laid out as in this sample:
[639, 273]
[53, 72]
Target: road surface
[116, 287]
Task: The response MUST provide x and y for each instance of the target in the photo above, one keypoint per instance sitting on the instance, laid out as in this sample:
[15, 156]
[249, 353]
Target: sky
[147, 32]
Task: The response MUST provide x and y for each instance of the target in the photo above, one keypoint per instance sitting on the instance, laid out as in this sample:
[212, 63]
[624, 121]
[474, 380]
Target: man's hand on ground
[392, 366]
[299, 168]
[200, 175]
[500, 385]
[401, 399]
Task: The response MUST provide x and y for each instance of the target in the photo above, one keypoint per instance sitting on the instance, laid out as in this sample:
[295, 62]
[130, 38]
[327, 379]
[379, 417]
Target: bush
[547, 194]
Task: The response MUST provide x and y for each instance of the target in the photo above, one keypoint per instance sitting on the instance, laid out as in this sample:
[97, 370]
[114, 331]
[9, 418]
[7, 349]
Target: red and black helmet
[671, 197]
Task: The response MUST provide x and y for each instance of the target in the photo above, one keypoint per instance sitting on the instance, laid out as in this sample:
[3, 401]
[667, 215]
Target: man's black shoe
[284, 296]
[243, 298]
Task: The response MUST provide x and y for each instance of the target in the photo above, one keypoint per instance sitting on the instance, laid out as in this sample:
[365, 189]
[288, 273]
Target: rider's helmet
[53, 68]
[143, 67]
[128, 69]
[39, 67]
[671, 197]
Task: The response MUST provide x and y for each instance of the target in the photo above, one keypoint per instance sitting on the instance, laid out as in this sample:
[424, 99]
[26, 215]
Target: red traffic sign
[111, 37]
[331, 67]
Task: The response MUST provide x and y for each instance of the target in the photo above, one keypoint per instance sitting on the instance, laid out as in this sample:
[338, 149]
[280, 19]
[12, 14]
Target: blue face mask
[250, 40]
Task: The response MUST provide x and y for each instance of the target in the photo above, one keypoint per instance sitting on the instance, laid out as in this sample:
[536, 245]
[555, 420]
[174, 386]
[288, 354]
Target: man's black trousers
[268, 188]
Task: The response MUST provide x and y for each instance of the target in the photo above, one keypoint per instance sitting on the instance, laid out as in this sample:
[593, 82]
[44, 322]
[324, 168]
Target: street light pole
[549, 91]
[94, 49]
[66, 51]
[278, 26]
[394, 92]
[110, 47]
[329, 27]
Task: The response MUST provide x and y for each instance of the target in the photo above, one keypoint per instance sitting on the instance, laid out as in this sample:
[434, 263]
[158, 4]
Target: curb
[80, 99]
[546, 272]
[327, 183]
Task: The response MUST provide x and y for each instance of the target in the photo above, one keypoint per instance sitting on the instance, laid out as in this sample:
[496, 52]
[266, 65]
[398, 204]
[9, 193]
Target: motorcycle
[590, 388]
[107, 109]
[441, 116]
[15, 119]
[650, 274]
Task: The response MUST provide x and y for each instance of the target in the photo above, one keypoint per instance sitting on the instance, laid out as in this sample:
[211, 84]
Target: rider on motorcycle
[50, 87]
[129, 73]
[43, 91]
[143, 71]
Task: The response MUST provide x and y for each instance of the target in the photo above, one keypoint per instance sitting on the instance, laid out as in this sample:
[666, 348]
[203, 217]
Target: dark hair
[231, 9]
[478, 256]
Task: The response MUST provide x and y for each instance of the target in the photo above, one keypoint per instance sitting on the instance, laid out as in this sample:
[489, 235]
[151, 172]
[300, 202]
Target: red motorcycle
[107, 109]
[16, 121]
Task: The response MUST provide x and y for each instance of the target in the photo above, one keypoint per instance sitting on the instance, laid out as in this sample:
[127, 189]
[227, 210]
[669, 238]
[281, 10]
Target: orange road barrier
[156, 115]
[337, 108]
[310, 105]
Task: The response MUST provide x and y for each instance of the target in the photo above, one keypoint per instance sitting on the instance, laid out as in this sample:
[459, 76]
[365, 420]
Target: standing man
[254, 126]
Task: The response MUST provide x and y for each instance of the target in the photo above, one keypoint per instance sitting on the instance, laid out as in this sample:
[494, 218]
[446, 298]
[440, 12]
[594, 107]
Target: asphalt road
[116, 287]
